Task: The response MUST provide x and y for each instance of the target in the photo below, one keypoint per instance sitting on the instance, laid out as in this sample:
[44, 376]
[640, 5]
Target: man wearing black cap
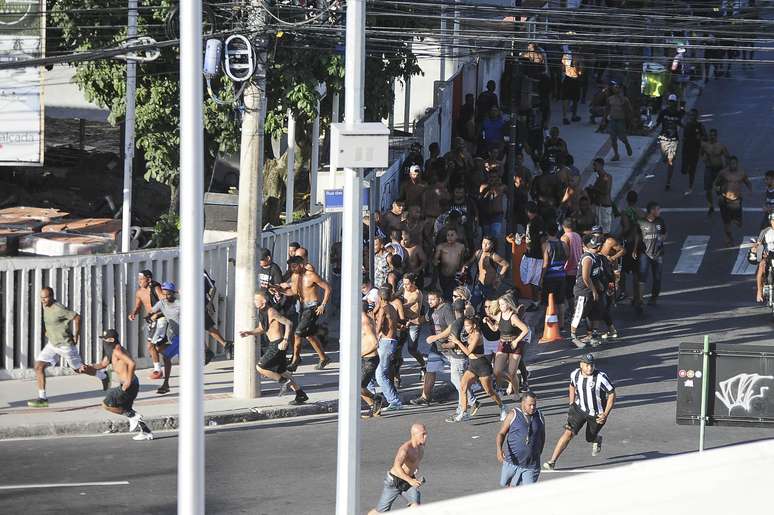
[119, 400]
[588, 290]
[591, 396]
[147, 295]
[269, 275]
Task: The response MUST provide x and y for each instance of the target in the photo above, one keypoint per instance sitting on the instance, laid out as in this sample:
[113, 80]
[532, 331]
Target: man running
[62, 328]
[766, 239]
[649, 253]
[369, 362]
[387, 323]
[693, 136]
[715, 157]
[520, 443]
[670, 120]
[401, 479]
[119, 400]
[591, 396]
[588, 291]
[729, 184]
[491, 269]
[147, 295]
[273, 362]
[412, 308]
[303, 283]
[169, 308]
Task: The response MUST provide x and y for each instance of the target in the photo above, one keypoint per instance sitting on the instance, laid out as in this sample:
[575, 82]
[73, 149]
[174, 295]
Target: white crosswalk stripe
[692, 254]
[742, 266]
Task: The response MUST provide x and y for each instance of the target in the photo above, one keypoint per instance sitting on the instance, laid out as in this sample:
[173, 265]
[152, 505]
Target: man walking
[729, 183]
[520, 443]
[120, 400]
[401, 479]
[62, 328]
[649, 253]
[617, 110]
[591, 396]
[693, 135]
[715, 158]
[600, 195]
[670, 120]
[387, 332]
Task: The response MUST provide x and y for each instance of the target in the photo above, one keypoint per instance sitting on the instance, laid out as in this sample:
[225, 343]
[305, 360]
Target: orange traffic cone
[551, 327]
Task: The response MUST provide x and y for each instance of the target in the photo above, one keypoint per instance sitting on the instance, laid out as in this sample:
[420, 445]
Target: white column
[291, 180]
[348, 450]
[190, 461]
[315, 164]
[131, 87]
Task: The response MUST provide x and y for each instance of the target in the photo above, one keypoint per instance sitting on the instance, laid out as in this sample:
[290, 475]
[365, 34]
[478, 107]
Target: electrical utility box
[360, 145]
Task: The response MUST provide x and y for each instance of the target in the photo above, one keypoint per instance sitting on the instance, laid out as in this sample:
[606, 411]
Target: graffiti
[743, 391]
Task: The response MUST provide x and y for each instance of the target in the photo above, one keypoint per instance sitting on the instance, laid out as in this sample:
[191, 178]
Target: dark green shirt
[56, 320]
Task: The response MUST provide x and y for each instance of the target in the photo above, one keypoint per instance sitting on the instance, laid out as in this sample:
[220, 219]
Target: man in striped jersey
[592, 397]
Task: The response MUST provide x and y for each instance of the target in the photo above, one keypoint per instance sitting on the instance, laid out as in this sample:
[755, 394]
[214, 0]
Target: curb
[441, 392]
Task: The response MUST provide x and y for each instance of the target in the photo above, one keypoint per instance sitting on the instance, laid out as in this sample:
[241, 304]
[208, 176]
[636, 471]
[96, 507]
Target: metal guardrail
[101, 288]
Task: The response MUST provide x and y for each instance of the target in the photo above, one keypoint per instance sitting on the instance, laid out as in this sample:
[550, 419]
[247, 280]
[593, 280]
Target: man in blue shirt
[520, 442]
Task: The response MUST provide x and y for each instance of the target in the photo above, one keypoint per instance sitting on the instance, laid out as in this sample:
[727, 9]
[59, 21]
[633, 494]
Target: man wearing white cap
[670, 119]
[411, 191]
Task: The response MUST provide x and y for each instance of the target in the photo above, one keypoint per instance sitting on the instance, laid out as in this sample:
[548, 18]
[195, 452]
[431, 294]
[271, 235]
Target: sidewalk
[75, 401]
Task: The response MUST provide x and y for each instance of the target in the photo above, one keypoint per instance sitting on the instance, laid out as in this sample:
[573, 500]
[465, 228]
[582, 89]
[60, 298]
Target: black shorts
[730, 211]
[274, 359]
[368, 370]
[576, 419]
[480, 366]
[118, 398]
[571, 88]
[307, 321]
[586, 307]
[555, 285]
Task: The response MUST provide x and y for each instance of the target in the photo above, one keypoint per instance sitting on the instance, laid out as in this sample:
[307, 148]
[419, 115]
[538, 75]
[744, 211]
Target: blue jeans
[480, 293]
[457, 366]
[654, 266]
[514, 475]
[387, 347]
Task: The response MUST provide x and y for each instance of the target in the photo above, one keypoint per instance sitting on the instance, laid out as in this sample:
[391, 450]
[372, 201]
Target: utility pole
[290, 182]
[131, 87]
[190, 454]
[348, 445]
[249, 214]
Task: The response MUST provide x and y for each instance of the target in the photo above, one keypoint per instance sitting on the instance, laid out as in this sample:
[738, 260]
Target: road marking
[62, 485]
[742, 266]
[704, 210]
[691, 254]
[572, 471]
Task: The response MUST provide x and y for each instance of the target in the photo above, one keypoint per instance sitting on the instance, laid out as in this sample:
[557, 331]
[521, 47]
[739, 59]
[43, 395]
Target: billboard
[740, 389]
[22, 36]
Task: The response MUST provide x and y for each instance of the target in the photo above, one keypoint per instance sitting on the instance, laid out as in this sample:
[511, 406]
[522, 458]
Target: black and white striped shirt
[591, 391]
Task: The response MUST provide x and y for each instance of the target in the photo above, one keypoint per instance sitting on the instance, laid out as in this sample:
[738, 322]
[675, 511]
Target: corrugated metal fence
[101, 288]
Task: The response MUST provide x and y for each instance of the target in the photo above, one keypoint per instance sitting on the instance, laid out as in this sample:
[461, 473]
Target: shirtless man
[416, 259]
[273, 363]
[119, 400]
[147, 295]
[419, 228]
[412, 311]
[491, 270]
[729, 182]
[449, 259]
[715, 159]
[400, 334]
[369, 363]
[387, 326]
[402, 478]
[303, 283]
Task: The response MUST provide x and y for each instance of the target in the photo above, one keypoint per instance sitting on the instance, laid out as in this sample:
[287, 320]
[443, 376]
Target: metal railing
[101, 288]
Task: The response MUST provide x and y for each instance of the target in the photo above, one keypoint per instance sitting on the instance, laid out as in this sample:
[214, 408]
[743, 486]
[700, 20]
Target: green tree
[298, 62]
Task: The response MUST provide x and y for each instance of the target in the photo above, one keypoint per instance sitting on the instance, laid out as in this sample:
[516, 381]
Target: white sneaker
[596, 447]
[143, 436]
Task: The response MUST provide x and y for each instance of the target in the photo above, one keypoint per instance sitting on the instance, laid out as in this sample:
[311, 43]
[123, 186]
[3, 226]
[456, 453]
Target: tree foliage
[297, 63]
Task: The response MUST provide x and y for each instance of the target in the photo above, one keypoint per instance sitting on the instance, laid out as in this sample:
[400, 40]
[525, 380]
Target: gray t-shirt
[653, 237]
[171, 311]
[442, 317]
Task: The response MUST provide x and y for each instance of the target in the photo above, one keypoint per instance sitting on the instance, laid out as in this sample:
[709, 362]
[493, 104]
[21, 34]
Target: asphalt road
[288, 466]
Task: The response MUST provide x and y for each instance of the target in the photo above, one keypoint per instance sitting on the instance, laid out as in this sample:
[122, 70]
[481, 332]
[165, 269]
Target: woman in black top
[512, 333]
[479, 369]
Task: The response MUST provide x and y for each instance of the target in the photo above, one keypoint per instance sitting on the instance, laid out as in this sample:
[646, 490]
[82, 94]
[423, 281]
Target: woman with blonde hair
[510, 352]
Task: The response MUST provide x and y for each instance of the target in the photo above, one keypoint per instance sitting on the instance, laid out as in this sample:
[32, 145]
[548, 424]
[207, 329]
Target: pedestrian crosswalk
[695, 247]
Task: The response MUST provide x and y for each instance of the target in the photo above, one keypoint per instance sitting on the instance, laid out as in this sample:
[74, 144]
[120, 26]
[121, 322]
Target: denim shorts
[514, 475]
[394, 488]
